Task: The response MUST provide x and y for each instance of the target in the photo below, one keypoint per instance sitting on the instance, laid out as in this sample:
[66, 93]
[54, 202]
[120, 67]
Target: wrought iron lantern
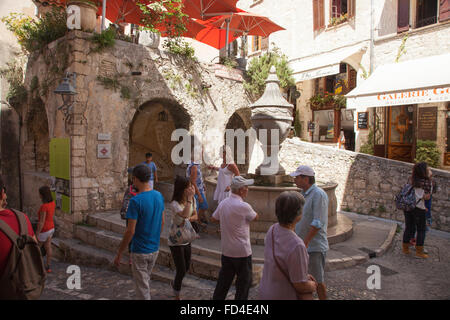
[67, 91]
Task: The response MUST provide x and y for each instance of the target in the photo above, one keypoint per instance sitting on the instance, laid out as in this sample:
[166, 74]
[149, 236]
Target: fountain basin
[262, 199]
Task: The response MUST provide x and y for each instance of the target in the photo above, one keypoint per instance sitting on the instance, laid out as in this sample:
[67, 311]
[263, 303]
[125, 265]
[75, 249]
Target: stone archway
[240, 119]
[36, 145]
[151, 130]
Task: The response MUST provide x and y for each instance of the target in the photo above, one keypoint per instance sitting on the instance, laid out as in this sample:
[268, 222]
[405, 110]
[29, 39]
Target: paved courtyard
[402, 277]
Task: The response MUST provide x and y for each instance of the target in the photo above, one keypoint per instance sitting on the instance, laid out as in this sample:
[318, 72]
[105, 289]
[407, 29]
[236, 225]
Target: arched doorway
[36, 145]
[151, 130]
[241, 119]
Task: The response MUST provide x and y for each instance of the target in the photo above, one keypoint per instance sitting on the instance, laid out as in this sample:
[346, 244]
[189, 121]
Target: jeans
[242, 268]
[182, 257]
[415, 221]
[141, 267]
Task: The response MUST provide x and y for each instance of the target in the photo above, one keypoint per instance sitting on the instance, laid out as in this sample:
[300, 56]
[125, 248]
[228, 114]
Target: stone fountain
[273, 112]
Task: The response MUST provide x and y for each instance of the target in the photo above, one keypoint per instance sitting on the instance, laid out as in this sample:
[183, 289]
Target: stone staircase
[96, 242]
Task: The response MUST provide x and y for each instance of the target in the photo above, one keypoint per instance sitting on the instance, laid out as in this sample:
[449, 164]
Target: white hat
[304, 171]
[239, 182]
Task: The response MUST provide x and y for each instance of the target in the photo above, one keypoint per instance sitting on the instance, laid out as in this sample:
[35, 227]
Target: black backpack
[24, 275]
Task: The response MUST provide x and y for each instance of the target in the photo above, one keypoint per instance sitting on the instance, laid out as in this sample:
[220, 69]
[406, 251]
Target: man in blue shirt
[153, 170]
[145, 224]
[312, 228]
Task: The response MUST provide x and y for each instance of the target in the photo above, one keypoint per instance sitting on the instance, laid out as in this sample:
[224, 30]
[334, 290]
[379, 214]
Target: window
[256, 43]
[426, 12]
[318, 15]
[341, 11]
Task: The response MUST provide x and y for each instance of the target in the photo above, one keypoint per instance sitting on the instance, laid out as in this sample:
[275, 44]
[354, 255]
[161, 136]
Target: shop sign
[440, 94]
[427, 124]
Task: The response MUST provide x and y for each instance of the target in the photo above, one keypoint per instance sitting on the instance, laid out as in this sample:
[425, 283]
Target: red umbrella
[214, 36]
[204, 9]
[249, 23]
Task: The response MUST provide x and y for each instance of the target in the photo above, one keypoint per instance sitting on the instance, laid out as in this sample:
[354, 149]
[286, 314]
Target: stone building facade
[128, 114]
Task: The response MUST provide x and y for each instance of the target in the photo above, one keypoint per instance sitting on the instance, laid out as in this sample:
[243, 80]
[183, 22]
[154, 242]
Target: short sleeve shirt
[174, 208]
[152, 167]
[315, 213]
[291, 254]
[147, 208]
[235, 215]
[49, 209]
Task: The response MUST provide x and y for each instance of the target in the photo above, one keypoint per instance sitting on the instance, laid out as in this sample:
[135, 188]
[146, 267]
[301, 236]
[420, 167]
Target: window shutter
[403, 16]
[444, 10]
[321, 14]
[315, 15]
[351, 8]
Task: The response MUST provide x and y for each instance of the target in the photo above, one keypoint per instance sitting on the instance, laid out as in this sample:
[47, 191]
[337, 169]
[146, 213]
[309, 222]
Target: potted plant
[88, 13]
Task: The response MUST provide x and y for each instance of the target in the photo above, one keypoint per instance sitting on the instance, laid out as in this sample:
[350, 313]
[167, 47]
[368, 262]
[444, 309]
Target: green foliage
[109, 83]
[259, 68]
[320, 101]
[125, 92]
[428, 152]
[103, 40]
[297, 126]
[13, 74]
[338, 20]
[35, 34]
[367, 147]
[402, 49]
[228, 62]
[164, 13]
[180, 47]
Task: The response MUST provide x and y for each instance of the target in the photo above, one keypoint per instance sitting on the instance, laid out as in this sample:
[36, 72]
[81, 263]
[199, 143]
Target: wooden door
[401, 133]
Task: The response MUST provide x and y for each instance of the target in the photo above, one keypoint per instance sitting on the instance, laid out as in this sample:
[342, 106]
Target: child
[46, 226]
[130, 193]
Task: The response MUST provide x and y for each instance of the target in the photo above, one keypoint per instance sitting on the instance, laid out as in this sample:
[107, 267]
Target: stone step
[207, 246]
[77, 252]
[205, 263]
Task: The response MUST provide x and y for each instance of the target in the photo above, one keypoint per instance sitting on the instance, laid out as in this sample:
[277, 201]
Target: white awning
[422, 80]
[326, 64]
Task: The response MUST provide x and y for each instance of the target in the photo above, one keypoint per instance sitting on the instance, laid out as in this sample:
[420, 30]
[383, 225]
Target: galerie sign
[401, 98]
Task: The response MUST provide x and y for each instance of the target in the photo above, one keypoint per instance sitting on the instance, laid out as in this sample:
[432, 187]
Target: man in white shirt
[235, 216]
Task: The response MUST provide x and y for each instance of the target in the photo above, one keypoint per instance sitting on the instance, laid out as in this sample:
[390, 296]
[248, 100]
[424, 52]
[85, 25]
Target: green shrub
[428, 152]
[103, 40]
[179, 47]
[13, 74]
[259, 68]
[367, 147]
[34, 34]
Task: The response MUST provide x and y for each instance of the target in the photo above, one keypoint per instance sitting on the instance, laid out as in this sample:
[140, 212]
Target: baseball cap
[304, 171]
[239, 182]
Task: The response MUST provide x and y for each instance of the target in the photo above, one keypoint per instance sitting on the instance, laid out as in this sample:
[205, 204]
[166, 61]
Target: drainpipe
[372, 36]
[103, 14]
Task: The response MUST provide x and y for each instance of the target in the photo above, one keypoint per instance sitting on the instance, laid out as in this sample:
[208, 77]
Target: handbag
[299, 297]
[181, 231]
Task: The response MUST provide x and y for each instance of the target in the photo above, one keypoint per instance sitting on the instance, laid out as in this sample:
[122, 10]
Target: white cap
[239, 182]
[304, 171]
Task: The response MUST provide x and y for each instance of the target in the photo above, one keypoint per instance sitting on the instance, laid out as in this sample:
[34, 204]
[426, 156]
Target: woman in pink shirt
[285, 274]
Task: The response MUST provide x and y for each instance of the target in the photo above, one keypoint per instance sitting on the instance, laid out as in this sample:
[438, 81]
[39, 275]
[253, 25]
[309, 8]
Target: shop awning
[423, 80]
[326, 64]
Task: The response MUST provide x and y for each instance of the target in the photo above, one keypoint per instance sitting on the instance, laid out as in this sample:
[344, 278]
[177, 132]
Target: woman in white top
[227, 171]
[182, 207]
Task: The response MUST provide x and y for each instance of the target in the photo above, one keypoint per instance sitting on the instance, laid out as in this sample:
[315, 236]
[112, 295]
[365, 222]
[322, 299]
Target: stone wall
[366, 184]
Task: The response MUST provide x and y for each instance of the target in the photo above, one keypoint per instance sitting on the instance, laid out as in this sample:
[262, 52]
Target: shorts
[43, 236]
[204, 204]
[316, 265]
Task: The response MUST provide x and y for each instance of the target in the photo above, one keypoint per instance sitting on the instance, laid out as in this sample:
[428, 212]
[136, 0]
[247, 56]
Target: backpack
[406, 199]
[130, 193]
[24, 275]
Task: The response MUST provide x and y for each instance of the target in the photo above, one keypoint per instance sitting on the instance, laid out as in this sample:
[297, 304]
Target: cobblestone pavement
[402, 277]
